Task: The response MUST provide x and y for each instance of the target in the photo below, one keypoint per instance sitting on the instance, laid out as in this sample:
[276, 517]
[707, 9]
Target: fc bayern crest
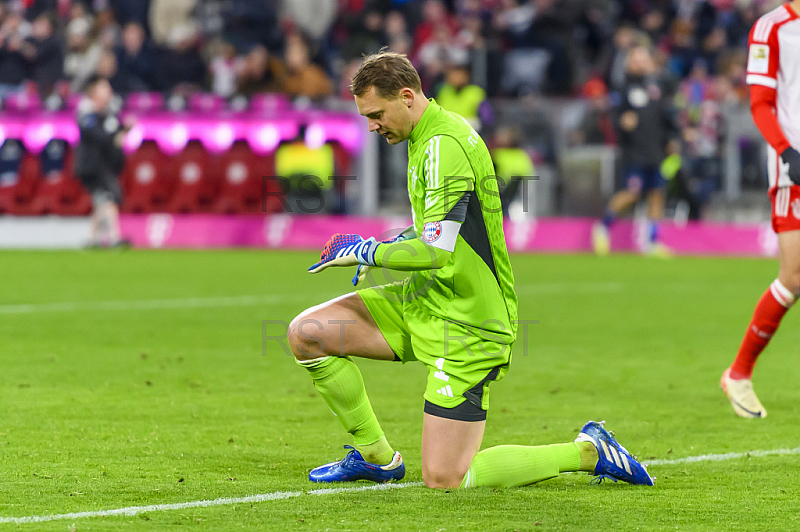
[431, 231]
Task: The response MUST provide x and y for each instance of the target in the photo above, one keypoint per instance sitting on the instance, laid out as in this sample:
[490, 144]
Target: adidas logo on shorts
[446, 391]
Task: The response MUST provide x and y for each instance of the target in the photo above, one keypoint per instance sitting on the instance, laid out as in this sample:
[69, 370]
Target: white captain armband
[442, 235]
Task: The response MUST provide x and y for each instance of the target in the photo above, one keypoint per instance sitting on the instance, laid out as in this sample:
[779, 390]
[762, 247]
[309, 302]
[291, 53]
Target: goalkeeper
[456, 313]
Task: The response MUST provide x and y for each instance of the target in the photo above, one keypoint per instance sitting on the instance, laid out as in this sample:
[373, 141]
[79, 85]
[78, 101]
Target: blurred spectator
[106, 28]
[260, 72]
[99, 159]
[512, 164]
[459, 96]
[251, 22]
[313, 18]
[108, 68]
[34, 8]
[43, 51]
[166, 15]
[224, 68]
[135, 59]
[701, 121]
[180, 66]
[655, 23]
[14, 67]
[348, 73]
[680, 44]
[365, 36]
[303, 78]
[128, 11]
[396, 33]
[83, 54]
[437, 25]
[597, 125]
[436, 54]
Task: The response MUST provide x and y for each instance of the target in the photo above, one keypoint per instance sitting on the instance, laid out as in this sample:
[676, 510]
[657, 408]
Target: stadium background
[228, 92]
[139, 378]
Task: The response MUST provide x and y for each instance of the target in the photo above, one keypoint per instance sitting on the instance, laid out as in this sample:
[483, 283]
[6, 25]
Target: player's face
[389, 118]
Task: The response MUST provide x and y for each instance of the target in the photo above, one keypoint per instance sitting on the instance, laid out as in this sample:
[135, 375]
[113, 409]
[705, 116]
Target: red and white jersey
[774, 62]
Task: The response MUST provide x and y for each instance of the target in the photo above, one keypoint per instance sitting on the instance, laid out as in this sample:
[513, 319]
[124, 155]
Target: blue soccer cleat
[614, 461]
[354, 467]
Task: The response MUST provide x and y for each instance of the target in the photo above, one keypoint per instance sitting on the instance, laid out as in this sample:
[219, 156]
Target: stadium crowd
[499, 49]
[308, 47]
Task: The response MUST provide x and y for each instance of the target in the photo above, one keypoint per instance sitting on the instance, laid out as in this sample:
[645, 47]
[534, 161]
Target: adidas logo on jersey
[446, 391]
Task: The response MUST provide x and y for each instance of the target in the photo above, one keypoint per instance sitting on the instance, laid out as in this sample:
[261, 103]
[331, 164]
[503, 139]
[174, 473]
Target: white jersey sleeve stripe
[436, 159]
[766, 81]
[765, 24]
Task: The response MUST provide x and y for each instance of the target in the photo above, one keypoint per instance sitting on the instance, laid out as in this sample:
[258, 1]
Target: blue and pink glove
[346, 250]
[362, 270]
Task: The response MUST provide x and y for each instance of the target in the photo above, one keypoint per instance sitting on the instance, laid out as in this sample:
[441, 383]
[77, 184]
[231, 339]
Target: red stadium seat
[59, 192]
[146, 182]
[17, 191]
[197, 180]
[243, 175]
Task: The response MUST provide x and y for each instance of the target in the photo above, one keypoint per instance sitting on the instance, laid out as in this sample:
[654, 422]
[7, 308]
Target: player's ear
[407, 96]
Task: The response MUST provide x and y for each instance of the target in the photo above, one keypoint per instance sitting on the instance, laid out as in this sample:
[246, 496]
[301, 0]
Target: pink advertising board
[554, 235]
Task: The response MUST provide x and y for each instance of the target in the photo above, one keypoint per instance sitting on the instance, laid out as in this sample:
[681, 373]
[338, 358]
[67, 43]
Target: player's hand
[792, 158]
[363, 270]
[346, 250]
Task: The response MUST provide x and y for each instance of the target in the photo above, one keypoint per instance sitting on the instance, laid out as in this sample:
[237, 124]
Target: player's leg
[770, 309]
[656, 198]
[456, 405]
[450, 457]
[619, 203]
[448, 447]
[340, 327]
[322, 339]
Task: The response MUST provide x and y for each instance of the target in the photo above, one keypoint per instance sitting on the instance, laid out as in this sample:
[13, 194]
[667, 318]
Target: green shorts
[460, 365]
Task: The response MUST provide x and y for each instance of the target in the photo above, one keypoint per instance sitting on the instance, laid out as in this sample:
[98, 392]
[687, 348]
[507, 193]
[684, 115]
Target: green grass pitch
[143, 378]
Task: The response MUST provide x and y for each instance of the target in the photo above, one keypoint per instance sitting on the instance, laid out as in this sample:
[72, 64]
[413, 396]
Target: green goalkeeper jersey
[451, 184]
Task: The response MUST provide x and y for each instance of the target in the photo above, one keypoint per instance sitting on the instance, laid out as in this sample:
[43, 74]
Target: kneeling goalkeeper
[456, 313]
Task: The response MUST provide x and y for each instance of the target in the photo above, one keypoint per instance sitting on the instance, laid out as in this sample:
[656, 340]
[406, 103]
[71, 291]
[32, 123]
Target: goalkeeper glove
[792, 158]
[362, 270]
[346, 250]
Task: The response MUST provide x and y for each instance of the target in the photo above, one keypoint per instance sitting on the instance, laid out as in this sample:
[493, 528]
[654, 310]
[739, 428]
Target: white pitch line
[720, 457]
[146, 304]
[136, 510]
[279, 495]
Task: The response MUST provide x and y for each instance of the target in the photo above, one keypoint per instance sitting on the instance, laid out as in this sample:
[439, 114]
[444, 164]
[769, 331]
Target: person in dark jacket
[99, 159]
[646, 132]
[43, 52]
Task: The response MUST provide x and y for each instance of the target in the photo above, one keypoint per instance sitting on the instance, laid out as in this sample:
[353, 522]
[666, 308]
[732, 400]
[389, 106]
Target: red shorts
[785, 208]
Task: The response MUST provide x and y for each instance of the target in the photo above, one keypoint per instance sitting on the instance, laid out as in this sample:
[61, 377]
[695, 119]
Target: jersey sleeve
[447, 175]
[762, 57]
[762, 105]
[762, 76]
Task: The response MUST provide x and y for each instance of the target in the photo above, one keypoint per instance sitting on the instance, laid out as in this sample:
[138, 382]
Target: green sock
[379, 452]
[507, 466]
[339, 382]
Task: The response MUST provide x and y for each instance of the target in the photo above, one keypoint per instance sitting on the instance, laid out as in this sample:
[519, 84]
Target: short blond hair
[388, 72]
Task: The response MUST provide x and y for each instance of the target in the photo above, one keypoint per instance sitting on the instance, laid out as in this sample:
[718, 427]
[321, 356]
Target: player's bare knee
[304, 343]
[441, 478]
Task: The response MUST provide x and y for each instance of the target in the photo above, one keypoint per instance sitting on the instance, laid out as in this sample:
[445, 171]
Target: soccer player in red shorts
[773, 73]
